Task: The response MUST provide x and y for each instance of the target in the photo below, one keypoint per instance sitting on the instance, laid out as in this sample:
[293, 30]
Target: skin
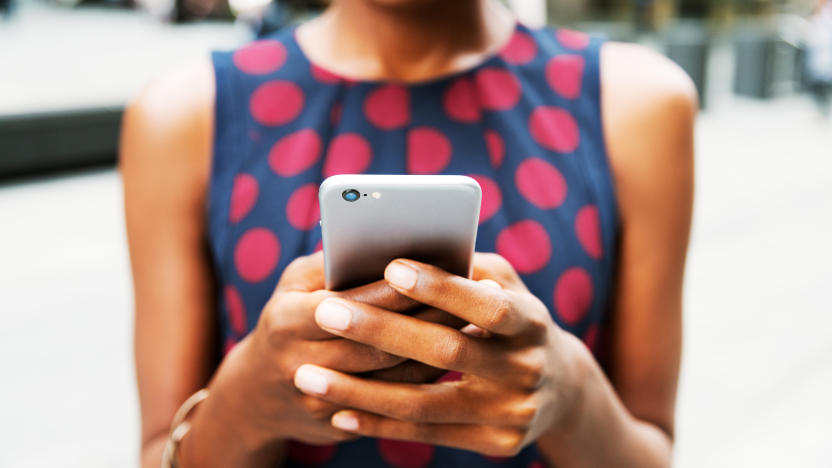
[554, 394]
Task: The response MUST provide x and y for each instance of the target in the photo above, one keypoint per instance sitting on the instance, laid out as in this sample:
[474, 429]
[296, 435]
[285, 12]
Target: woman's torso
[525, 123]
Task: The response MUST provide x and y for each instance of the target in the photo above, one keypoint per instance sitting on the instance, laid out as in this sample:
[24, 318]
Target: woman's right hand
[253, 405]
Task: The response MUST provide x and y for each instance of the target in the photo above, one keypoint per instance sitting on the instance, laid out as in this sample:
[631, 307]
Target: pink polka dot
[450, 376]
[236, 310]
[388, 107]
[348, 153]
[428, 151]
[540, 183]
[537, 464]
[276, 102]
[460, 101]
[256, 254]
[260, 57]
[526, 245]
[496, 147]
[521, 49]
[243, 196]
[571, 39]
[401, 454]
[591, 337]
[588, 230]
[492, 198]
[573, 295]
[302, 209]
[230, 343]
[554, 129]
[309, 455]
[295, 153]
[323, 75]
[565, 74]
[319, 246]
[497, 89]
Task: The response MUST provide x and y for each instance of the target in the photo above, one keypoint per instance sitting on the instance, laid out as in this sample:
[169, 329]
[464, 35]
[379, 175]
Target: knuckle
[366, 358]
[413, 411]
[524, 413]
[508, 442]
[272, 322]
[317, 408]
[452, 351]
[500, 307]
[533, 368]
[423, 433]
[297, 264]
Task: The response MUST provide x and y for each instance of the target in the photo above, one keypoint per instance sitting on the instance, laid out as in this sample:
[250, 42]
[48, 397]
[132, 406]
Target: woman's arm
[165, 162]
[649, 107]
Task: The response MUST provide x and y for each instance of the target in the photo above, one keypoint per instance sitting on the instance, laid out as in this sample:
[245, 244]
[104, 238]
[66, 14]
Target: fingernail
[333, 315]
[345, 421]
[401, 275]
[310, 380]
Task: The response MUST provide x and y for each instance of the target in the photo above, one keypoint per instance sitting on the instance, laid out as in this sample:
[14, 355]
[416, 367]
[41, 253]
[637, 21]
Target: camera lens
[351, 195]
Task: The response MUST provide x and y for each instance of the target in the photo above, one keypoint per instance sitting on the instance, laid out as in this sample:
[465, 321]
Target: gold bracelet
[179, 427]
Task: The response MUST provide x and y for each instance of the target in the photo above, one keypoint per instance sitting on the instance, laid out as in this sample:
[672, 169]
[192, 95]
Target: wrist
[582, 369]
[223, 432]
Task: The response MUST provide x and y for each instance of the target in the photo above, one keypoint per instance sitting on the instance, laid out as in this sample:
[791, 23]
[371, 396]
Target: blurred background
[757, 370]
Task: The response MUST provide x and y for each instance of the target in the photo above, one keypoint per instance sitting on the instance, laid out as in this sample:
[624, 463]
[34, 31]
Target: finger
[439, 316]
[304, 273]
[380, 294]
[490, 282]
[297, 309]
[483, 305]
[348, 356]
[472, 329]
[474, 437]
[446, 403]
[495, 267]
[401, 335]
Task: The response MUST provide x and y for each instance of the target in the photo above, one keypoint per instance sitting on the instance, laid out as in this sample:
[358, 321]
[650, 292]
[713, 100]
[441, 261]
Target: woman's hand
[253, 405]
[521, 373]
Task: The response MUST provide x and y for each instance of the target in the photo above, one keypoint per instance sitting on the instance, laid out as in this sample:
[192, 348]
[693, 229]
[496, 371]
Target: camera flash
[376, 195]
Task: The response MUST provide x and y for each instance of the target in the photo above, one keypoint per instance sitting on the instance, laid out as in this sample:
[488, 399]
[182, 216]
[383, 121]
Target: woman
[584, 152]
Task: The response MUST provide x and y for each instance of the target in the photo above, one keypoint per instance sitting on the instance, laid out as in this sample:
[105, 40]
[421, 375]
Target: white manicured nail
[310, 380]
[401, 275]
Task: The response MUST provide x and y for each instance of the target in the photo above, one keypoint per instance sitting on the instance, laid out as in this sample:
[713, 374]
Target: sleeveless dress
[525, 123]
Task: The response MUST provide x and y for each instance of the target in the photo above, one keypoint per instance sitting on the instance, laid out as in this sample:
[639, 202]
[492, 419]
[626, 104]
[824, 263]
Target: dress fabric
[525, 123]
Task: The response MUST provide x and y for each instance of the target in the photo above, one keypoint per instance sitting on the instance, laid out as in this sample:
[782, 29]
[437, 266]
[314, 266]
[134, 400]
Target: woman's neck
[405, 40]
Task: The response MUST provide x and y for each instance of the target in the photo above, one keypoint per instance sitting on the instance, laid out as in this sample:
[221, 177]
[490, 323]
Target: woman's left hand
[521, 372]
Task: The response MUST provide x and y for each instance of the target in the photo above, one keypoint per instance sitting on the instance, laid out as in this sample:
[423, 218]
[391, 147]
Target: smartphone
[369, 220]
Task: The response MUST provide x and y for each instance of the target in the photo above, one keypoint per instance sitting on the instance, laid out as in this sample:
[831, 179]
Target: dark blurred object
[699, 9]
[58, 140]
[754, 62]
[281, 13]
[6, 8]
[688, 44]
[819, 56]
[644, 15]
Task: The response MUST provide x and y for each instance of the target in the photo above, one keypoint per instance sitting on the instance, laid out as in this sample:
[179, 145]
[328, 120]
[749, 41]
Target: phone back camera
[351, 195]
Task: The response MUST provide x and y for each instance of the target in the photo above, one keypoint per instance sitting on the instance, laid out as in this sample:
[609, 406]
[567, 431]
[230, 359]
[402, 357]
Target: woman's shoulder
[167, 132]
[649, 106]
[638, 83]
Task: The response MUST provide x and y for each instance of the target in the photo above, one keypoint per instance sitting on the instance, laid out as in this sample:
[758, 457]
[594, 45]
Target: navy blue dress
[525, 123]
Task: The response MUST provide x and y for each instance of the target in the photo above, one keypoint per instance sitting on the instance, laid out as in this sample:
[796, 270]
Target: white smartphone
[369, 220]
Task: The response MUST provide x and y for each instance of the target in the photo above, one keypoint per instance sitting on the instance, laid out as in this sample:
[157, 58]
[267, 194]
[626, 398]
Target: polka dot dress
[525, 124]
